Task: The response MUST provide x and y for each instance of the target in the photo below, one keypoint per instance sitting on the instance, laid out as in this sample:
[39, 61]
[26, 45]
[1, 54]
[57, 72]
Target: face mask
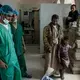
[5, 21]
[15, 20]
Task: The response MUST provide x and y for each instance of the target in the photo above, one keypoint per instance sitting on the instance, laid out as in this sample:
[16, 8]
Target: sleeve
[45, 40]
[69, 15]
[2, 48]
[21, 30]
[76, 15]
[60, 33]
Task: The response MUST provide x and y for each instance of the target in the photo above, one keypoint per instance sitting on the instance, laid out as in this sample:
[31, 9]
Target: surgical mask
[5, 21]
[15, 20]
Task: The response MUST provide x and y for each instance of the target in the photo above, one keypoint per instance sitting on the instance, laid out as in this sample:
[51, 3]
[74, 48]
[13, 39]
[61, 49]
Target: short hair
[55, 16]
[0, 5]
[73, 5]
[65, 38]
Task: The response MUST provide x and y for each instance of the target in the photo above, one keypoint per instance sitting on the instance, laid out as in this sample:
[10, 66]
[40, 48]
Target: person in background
[72, 16]
[18, 43]
[9, 67]
[63, 56]
[52, 35]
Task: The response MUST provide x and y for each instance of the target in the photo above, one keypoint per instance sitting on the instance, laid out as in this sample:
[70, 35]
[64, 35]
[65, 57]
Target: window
[66, 1]
[69, 2]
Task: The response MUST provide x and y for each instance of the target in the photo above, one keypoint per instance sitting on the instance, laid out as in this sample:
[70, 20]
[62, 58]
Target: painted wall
[46, 11]
[36, 1]
[78, 4]
[46, 1]
[12, 3]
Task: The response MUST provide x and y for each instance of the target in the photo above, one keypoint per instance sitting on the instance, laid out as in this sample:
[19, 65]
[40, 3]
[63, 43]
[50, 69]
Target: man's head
[73, 7]
[54, 19]
[15, 16]
[6, 13]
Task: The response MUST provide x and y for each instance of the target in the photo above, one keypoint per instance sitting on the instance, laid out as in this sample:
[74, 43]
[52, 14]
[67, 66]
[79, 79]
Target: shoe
[27, 76]
[51, 76]
[56, 73]
[62, 78]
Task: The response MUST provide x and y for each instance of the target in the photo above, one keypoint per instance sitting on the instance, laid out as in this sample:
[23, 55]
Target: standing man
[9, 67]
[18, 41]
[51, 36]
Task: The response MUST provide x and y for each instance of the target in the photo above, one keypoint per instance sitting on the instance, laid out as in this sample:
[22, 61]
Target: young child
[62, 55]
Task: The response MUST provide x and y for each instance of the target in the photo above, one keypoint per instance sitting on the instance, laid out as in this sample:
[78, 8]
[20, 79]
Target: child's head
[65, 40]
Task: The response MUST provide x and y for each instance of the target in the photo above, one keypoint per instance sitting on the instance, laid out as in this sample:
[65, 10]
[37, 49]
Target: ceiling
[36, 1]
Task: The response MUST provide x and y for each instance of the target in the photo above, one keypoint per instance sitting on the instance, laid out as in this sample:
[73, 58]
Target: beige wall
[78, 4]
[36, 1]
[46, 1]
[12, 3]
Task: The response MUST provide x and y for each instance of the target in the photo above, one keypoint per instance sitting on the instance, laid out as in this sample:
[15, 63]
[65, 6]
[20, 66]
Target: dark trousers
[0, 77]
[22, 64]
[61, 71]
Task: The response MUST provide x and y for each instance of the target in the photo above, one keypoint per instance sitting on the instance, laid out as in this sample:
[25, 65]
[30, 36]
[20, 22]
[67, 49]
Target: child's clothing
[63, 58]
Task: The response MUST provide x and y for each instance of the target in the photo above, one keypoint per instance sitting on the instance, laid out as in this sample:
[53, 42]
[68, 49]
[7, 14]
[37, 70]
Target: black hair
[55, 16]
[65, 38]
[73, 5]
[0, 5]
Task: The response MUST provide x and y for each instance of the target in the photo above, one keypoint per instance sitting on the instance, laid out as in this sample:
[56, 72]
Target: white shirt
[55, 34]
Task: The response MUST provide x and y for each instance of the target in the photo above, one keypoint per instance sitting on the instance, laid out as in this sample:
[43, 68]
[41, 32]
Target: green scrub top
[7, 50]
[8, 55]
[17, 38]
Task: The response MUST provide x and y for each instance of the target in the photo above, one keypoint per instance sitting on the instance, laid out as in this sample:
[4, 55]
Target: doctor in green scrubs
[9, 67]
[18, 41]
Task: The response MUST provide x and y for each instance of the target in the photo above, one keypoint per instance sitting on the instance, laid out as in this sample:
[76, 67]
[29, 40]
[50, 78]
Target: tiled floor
[35, 64]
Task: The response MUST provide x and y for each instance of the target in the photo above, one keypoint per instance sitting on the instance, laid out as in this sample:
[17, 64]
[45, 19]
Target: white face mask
[15, 20]
[5, 21]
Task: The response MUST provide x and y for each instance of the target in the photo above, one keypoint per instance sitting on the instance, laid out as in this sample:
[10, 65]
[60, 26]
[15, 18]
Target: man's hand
[3, 65]
[55, 41]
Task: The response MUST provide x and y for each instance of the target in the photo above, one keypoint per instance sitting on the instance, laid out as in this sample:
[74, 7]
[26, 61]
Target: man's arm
[76, 15]
[24, 46]
[45, 39]
[60, 33]
[2, 55]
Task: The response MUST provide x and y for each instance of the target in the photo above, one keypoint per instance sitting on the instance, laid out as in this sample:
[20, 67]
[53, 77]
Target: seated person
[72, 16]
